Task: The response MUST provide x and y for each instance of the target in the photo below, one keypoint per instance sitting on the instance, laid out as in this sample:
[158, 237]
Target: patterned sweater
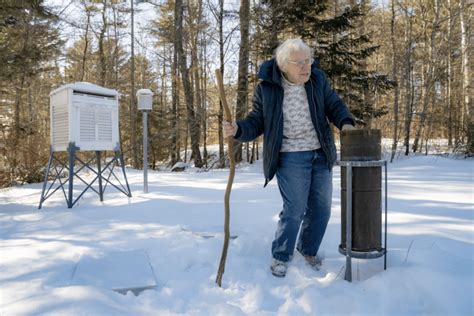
[298, 129]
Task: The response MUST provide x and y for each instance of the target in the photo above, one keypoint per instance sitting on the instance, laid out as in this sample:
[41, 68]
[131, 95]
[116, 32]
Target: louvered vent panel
[105, 125]
[60, 125]
[87, 124]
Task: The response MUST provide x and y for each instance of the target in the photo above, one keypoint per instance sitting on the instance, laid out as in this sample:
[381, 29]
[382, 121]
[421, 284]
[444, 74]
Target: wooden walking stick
[230, 180]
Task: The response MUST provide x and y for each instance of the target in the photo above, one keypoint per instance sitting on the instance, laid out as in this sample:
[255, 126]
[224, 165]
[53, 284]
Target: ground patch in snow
[119, 271]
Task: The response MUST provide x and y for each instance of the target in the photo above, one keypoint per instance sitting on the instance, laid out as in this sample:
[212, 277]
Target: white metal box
[86, 115]
[145, 101]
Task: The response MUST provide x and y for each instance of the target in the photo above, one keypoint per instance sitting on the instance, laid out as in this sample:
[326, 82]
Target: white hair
[285, 49]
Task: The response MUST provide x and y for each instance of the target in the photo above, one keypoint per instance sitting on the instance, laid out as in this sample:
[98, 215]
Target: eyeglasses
[302, 63]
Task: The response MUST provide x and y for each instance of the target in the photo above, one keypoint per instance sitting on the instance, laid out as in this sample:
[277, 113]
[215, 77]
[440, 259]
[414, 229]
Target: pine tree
[339, 49]
[28, 42]
[28, 38]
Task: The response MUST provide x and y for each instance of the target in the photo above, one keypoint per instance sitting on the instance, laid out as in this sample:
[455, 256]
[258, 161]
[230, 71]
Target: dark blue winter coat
[267, 115]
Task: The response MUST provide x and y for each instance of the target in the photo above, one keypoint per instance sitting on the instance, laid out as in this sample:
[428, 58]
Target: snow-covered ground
[54, 260]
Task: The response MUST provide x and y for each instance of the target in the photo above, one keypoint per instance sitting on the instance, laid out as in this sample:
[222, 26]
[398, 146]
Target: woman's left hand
[347, 127]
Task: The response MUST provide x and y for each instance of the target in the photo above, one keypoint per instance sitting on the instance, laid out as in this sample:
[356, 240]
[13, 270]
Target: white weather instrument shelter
[84, 117]
[84, 114]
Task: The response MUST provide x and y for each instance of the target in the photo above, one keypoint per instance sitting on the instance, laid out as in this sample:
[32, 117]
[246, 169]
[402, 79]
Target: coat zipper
[274, 143]
[317, 127]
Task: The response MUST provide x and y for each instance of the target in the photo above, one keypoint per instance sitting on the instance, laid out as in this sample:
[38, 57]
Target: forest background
[402, 66]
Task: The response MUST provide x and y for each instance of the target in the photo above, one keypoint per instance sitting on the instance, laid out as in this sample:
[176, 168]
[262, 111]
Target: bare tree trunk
[197, 85]
[408, 80]
[115, 54]
[186, 137]
[409, 101]
[428, 135]
[467, 106]
[449, 78]
[220, 115]
[193, 124]
[260, 50]
[428, 121]
[133, 136]
[102, 57]
[196, 66]
[252, 156]
[242, 86]
[86, 43]
[203, 113]
[424, 101]
[396, 88]
[174, 152]
[257, 151]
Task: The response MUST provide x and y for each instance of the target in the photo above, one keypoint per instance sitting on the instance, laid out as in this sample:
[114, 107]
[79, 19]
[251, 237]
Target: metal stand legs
[102, 175]
[348, 275]
[348, 251]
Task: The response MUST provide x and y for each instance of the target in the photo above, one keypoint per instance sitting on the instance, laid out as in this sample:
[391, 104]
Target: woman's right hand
[229, 129]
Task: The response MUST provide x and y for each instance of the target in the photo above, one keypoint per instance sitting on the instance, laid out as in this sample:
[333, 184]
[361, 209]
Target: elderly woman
[293, 105]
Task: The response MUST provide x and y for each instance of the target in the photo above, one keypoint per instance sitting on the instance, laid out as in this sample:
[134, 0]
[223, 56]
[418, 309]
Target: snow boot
[314, 261]
[278, 268]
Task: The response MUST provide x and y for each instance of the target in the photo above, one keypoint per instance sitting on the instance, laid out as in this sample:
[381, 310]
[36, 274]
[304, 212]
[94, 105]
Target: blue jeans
[305, 184]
